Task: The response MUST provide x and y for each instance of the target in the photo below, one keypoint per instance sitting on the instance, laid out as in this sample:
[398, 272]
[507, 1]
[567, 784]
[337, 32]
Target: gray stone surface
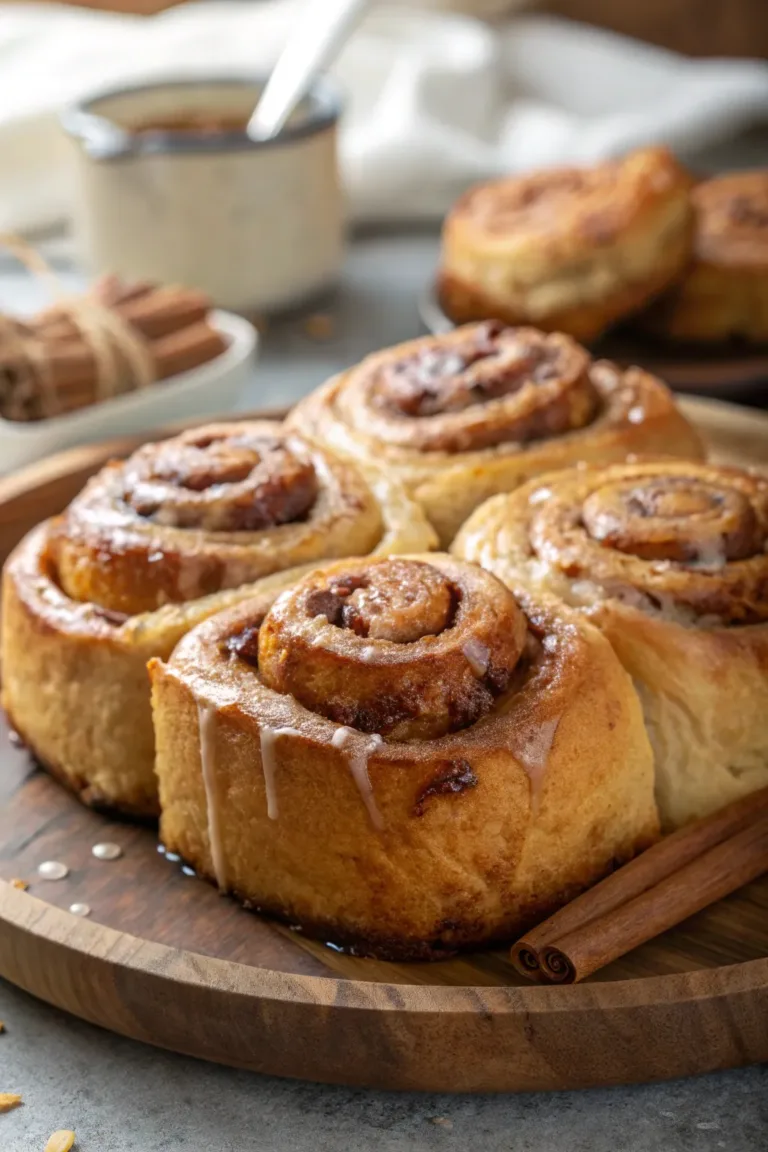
[120, 1096]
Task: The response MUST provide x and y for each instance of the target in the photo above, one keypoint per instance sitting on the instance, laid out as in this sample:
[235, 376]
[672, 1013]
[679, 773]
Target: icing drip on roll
[477, 656]
[206, 714]
[269, 763]
[532, 745]
[359, 750]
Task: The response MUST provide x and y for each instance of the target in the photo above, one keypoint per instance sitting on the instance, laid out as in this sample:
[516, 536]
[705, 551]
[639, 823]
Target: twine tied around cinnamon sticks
[85, 349]
[679, 876]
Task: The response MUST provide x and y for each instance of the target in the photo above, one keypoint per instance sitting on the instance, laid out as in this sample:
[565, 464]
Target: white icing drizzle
[369, 654]
[540, 495]
[710, 556]
[636, 414]
[206, 714]
[586, 591]
[360, 749]
[269, 763]
[317, 630]
[539, 570]
[478, 656]
[532, 747]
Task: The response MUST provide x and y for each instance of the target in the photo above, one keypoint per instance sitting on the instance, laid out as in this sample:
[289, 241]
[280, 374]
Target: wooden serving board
[164, 959]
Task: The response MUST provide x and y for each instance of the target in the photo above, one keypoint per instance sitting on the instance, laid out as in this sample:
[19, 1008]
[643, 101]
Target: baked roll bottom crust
[570, 250]
[459, 417]
[669, 559]
[388, 782]
[75, 684]
[723, 292]
[151, 547]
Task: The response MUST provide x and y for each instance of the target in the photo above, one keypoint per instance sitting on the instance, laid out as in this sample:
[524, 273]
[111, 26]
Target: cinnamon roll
[669, 558]
[151, 546]
[398, 756]
[479, 410]
[571, 249]
[724, 291]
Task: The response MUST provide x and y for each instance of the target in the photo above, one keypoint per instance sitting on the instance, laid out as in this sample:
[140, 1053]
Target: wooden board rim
[307, 1027]
[36, 917]
[300, 1017]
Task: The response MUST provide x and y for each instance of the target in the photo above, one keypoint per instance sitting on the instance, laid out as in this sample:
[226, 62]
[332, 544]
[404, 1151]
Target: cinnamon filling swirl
[221, 481]
[677, 518]
[483, 385]
[397, 647]
[212, 509]
[586, 194]
[680, 535]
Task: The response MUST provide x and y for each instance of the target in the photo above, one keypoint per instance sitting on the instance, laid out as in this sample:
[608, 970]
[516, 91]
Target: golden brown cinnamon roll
[398, 756]
[669, 559]
[462, 416]
[724, 291]
[570, 250]
[150, 547]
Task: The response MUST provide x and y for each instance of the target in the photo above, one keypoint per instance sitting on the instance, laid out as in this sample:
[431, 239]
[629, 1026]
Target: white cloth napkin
[435, 100]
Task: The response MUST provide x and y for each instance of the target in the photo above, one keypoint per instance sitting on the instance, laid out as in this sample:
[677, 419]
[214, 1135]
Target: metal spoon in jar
[325, 26]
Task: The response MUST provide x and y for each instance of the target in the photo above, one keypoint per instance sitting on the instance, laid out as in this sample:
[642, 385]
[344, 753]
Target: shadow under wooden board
[164, 959]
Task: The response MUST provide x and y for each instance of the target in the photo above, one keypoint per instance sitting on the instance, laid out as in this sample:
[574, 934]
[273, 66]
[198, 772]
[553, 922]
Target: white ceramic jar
[257, 225]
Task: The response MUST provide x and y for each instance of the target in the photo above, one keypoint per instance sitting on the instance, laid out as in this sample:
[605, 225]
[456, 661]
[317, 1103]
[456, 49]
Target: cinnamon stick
[674, 879]
[116, 338]
[72, 367]
[187, 349]
[152, 312]
[111, 290]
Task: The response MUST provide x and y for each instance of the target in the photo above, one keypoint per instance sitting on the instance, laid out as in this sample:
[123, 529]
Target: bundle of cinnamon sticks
[682, 874]
[77, 353]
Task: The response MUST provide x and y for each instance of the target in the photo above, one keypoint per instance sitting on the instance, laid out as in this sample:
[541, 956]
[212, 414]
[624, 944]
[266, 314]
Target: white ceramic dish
[258, 225]
[205, 391]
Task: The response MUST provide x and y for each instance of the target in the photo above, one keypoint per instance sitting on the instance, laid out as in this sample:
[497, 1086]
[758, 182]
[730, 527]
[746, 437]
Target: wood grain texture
[165, 960]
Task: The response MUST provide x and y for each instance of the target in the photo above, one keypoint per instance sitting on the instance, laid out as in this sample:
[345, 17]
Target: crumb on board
[442, 1122]
[9, 1100]
[60, 1141]
[320, 326]
[22, 885]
